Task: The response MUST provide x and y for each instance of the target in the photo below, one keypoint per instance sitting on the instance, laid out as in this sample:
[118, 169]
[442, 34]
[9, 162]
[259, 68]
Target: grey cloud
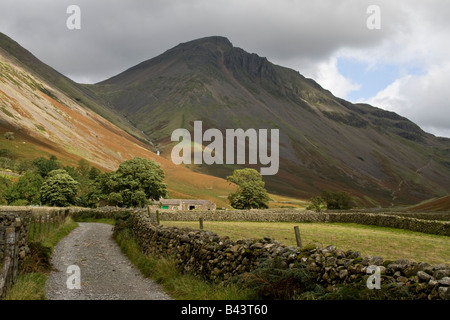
[116, 35]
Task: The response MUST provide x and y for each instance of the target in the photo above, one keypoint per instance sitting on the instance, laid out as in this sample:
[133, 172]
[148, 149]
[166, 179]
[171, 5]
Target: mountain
[50, 114]
[83, 97]
[380, 157]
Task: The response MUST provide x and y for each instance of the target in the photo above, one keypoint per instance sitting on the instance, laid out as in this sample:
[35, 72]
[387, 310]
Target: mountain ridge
[78, 92]
[47, 120]
[326, 141]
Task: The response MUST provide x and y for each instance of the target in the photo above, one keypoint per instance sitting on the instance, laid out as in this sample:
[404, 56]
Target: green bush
[59, 189]
[9, 136]
[337, 200]
[251, 193]
[274, 280]
[317, 204]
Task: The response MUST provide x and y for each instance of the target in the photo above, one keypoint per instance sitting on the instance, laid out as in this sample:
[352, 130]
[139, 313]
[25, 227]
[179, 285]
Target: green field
[389, 243]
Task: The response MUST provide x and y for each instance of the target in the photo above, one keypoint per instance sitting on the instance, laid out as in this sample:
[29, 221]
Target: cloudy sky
[402, 66]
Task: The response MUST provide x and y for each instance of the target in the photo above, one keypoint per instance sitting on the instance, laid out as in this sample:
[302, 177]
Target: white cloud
[424, 99]
[420, 48]
[328, 76]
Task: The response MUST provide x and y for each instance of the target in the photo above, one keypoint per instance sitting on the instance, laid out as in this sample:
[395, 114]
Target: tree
[138, 199]
[59, 189]
[140, 174]
[251, 193]
[83, 168]
[44, 166]
[94, 173]
[5, 183]
[23, 165]
[115, 199]
[316, 204]
[337, 200]
[137, 180]
[26, 189]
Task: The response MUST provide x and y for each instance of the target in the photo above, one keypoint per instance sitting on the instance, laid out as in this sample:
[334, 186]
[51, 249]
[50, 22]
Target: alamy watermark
[374, 281]
[231, 151]
[73, 22]
[373, 22]
[74, 278]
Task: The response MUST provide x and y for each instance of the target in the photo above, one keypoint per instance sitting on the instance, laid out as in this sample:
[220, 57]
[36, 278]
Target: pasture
[389, 243]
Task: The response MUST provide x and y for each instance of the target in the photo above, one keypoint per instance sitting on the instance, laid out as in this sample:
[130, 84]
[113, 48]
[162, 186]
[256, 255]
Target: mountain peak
[201, 48]
[212, 40]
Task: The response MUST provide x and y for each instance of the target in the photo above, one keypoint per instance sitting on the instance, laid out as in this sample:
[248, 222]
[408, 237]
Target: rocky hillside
[326, 143]
[51, 115]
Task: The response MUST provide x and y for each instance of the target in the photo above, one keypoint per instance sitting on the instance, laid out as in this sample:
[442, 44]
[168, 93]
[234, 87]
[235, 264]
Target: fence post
[17, 226]
[201, 223]
[40, 226]
[8, 262]
[157, 217]
[47, 221]
[29, 226]
[297, 237]
[34, 228]
[154, 216]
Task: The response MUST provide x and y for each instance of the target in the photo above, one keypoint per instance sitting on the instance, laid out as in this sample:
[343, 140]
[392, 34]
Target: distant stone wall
[205, 254]
[290, 215]
[283, 215]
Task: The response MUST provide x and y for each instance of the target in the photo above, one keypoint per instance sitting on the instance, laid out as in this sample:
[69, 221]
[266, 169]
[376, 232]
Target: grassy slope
[435, 204]
[199, 90]
[79, 93]
[182, 183]
[111, 145]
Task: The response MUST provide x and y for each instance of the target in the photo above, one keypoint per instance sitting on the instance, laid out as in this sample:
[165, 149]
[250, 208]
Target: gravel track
[106, 273]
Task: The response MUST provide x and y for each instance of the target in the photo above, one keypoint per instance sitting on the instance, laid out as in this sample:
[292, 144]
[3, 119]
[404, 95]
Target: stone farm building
[184, 204]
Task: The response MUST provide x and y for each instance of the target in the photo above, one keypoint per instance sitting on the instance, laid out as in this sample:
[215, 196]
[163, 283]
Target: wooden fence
[39, 225]
[17, 230]
[10, 235]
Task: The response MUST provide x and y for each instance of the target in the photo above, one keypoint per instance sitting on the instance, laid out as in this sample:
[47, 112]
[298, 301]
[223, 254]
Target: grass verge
[178, 286]
[30, 283]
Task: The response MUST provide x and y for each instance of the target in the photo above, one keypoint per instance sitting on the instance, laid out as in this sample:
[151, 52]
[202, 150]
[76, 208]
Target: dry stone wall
[15, 226]
[13, 248]
[215, 258]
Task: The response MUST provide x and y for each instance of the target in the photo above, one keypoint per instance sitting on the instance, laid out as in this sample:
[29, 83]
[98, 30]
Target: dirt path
[399, 188]
[105, 272]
